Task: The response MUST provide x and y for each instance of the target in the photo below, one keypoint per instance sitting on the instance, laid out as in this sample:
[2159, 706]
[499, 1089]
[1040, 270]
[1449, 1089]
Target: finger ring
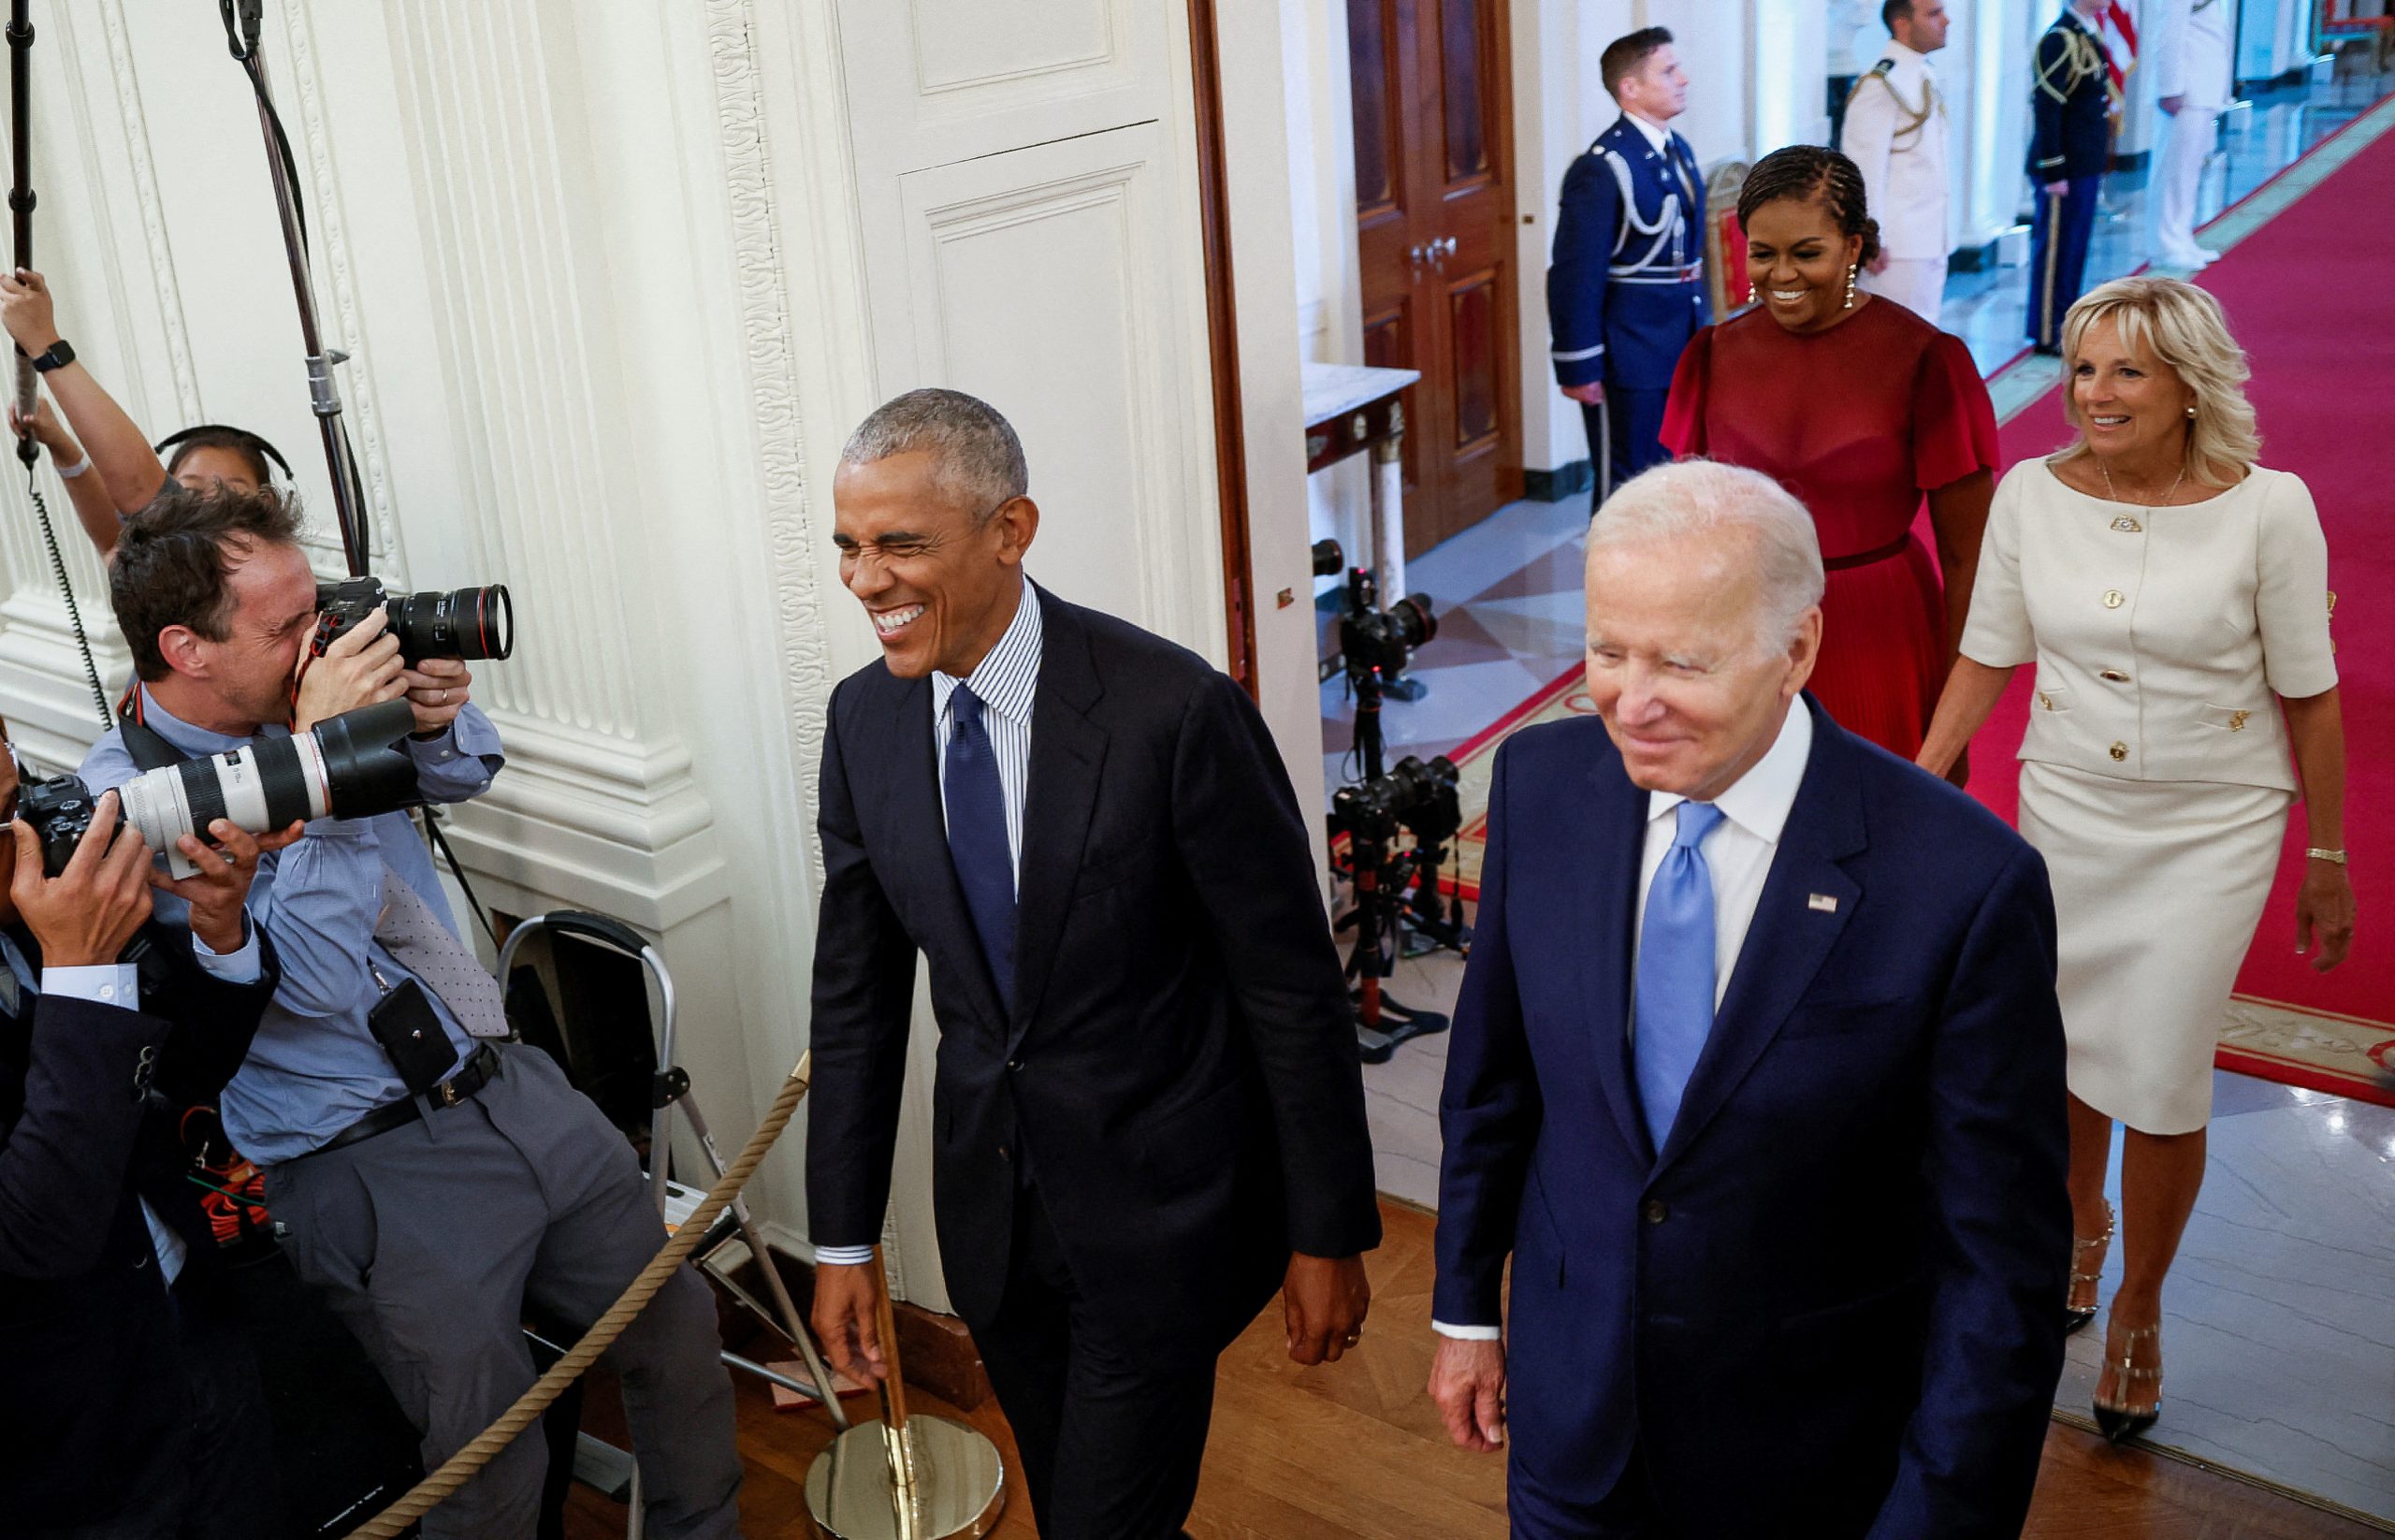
[444, 697]
[229, 861]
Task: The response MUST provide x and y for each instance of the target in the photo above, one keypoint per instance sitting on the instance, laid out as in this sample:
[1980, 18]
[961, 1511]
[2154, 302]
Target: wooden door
[1435, 231]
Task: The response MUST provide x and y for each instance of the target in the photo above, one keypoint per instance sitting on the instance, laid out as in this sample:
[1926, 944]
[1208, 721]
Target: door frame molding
[1222, 336]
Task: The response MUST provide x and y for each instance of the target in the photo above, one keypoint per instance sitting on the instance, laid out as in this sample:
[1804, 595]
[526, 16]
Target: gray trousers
[431, 1241]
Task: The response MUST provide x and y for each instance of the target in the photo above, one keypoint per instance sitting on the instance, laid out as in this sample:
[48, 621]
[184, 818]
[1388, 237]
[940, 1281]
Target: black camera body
[58, 810]
[1414, 796]
[1372, 639]
[462, 623]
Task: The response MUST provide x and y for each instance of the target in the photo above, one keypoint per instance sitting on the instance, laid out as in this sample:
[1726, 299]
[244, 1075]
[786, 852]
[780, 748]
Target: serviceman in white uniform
[2193, 83]
[1895, 133]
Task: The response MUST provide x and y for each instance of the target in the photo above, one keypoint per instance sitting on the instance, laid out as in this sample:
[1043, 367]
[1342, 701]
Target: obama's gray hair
[1700, 497]
[976, 456]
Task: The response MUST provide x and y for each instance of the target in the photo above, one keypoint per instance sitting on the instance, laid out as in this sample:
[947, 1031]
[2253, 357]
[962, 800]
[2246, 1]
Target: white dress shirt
[1006, 682]
[1737, 854]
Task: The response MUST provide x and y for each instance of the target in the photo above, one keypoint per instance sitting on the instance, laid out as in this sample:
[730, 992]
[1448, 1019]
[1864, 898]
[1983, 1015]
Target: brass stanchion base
[959, 1483]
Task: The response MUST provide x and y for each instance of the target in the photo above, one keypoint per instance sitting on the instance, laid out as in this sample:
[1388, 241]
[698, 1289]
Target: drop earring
[1851, 268]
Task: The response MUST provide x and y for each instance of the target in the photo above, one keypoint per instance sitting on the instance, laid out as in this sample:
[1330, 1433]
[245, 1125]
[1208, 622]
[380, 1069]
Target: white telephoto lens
[261, 785]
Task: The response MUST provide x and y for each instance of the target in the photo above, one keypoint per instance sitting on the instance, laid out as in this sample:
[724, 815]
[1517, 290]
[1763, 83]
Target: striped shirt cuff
[843, 1256]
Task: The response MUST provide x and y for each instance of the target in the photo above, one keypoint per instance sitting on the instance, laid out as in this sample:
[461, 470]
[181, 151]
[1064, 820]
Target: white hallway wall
[617, 278]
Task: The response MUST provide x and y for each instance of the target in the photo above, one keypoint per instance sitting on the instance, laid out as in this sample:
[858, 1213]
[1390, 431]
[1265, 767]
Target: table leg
[1388, 516]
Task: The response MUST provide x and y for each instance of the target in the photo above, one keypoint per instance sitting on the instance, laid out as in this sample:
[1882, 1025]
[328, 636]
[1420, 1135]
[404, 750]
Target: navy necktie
[1674, 1013]
[977, 835]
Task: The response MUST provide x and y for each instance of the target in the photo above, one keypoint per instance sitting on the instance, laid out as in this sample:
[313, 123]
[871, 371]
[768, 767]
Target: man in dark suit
[1625, 289]
[1148, 1111]
[2073, 107]
[1758, 1078]
[133, 1409]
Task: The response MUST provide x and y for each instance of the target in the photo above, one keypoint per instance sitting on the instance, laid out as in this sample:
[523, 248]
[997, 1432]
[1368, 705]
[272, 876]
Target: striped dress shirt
[1005, 682]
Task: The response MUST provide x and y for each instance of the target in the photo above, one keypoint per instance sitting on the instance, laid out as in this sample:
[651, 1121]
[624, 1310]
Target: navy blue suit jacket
[1178, 1065]
[1625, 327]
[2070, 103]
[89, 1098]
[1847, 1265]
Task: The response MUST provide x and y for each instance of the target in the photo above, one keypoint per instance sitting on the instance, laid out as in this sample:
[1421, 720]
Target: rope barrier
[460, 1467]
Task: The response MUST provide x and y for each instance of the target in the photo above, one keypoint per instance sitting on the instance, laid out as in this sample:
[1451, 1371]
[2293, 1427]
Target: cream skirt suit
[2156, 778]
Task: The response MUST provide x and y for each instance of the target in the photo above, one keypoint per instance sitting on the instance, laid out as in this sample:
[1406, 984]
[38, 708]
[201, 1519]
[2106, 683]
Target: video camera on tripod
[1376, 643]
[1397, 889]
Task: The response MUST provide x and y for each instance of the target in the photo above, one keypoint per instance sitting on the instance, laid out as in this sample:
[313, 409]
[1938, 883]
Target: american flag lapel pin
[1823, 903]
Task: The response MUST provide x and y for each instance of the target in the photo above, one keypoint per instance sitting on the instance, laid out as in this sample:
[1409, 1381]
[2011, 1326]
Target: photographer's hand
[84, 916]
[361, 668]
[221, 886]
[438, 688]
[847, 1302]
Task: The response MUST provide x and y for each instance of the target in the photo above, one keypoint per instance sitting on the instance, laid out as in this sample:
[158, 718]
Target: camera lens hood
[366, 771]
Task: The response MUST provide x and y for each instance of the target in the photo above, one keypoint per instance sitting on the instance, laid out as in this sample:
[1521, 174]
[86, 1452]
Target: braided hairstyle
[1813, 173]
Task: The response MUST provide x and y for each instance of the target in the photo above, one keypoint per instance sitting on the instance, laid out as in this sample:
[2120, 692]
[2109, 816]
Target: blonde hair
[2182, 326]
[1702, 497]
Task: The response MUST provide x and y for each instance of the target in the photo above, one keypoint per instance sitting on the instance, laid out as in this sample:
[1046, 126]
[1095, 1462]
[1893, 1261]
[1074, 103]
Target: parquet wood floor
[1354, 1451]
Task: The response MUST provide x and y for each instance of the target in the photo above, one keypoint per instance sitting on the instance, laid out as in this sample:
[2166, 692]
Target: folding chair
[587, 1016]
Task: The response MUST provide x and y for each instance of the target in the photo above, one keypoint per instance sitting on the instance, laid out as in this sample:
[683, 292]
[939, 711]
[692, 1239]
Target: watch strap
[57, 356]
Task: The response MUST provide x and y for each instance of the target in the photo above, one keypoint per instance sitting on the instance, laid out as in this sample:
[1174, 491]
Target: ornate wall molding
[796, 541]
[127, 85]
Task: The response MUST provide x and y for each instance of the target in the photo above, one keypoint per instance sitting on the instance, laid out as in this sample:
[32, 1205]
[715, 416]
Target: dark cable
[67, 592]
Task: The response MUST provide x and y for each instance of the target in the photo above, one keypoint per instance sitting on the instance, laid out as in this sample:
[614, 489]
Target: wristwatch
[57, 356]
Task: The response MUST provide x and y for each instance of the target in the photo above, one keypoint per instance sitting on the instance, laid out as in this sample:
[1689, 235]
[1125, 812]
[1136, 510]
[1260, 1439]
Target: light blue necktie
[1674, 1011]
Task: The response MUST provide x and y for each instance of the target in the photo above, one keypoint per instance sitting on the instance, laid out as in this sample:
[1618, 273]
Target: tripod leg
[792, 1325]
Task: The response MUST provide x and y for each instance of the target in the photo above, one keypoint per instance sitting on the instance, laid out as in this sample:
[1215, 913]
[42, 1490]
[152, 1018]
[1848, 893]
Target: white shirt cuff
[102, 983]
[843, 1256]
[1469, 1333]
[237, 966]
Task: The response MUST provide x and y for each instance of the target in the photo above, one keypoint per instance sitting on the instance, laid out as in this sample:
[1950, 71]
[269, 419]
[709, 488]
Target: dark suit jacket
[91, 1389]
[1847, 1263]
[1180, 1066]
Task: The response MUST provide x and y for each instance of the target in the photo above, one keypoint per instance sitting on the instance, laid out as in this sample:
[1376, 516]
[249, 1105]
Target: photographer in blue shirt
[433, 1181]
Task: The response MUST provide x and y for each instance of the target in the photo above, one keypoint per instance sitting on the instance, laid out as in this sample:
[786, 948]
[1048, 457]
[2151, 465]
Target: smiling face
[1657, 90]
[1798, 263]
[2129, 402]
[1924, 32]
[1677, 668]
[938, 580]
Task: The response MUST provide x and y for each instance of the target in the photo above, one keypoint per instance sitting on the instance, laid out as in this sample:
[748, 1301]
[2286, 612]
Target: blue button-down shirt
[315, 1068]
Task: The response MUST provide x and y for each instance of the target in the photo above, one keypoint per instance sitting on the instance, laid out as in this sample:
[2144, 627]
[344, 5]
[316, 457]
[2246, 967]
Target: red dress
[1858, 421]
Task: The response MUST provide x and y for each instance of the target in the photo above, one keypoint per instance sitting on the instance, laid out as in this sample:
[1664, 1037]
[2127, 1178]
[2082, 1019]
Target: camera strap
[141, 741]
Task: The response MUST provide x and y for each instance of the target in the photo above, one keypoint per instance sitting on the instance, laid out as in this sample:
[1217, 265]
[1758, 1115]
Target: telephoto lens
[347, 766]
[1327, 558]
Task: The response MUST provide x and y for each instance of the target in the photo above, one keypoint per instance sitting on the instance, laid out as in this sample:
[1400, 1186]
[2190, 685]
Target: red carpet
[2308, 297]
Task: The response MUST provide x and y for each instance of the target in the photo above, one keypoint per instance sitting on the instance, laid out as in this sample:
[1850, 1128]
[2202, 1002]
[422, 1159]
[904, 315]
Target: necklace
[2164, 502]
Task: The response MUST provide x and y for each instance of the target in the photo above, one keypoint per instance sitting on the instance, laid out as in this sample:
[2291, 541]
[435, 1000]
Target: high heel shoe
[2074, 1317]
[2120, 1421]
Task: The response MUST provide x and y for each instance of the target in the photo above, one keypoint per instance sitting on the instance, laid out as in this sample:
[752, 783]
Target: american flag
[2119, 30]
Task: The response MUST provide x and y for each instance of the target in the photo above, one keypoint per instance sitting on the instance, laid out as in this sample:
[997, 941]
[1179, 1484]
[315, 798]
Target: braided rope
[462, 1467]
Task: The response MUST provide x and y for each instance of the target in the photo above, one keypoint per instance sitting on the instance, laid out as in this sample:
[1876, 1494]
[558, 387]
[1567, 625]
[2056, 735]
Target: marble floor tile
[2279, 1319]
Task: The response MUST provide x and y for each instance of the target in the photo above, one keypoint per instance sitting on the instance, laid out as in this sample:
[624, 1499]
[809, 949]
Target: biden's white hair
[1705, 496]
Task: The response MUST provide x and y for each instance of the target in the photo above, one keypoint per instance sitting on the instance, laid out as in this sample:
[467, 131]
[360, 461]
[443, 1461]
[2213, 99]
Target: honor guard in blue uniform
[1625, 291]
[2071, 142]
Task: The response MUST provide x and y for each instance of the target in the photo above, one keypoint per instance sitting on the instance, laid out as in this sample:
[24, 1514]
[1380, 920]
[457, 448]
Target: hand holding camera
[217, 892]
[438, 688]
[84, 916]
[361, 667]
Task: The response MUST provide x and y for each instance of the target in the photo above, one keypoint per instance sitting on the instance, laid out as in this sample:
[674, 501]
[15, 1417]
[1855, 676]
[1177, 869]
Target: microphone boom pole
[20, 194]
[324, 396]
